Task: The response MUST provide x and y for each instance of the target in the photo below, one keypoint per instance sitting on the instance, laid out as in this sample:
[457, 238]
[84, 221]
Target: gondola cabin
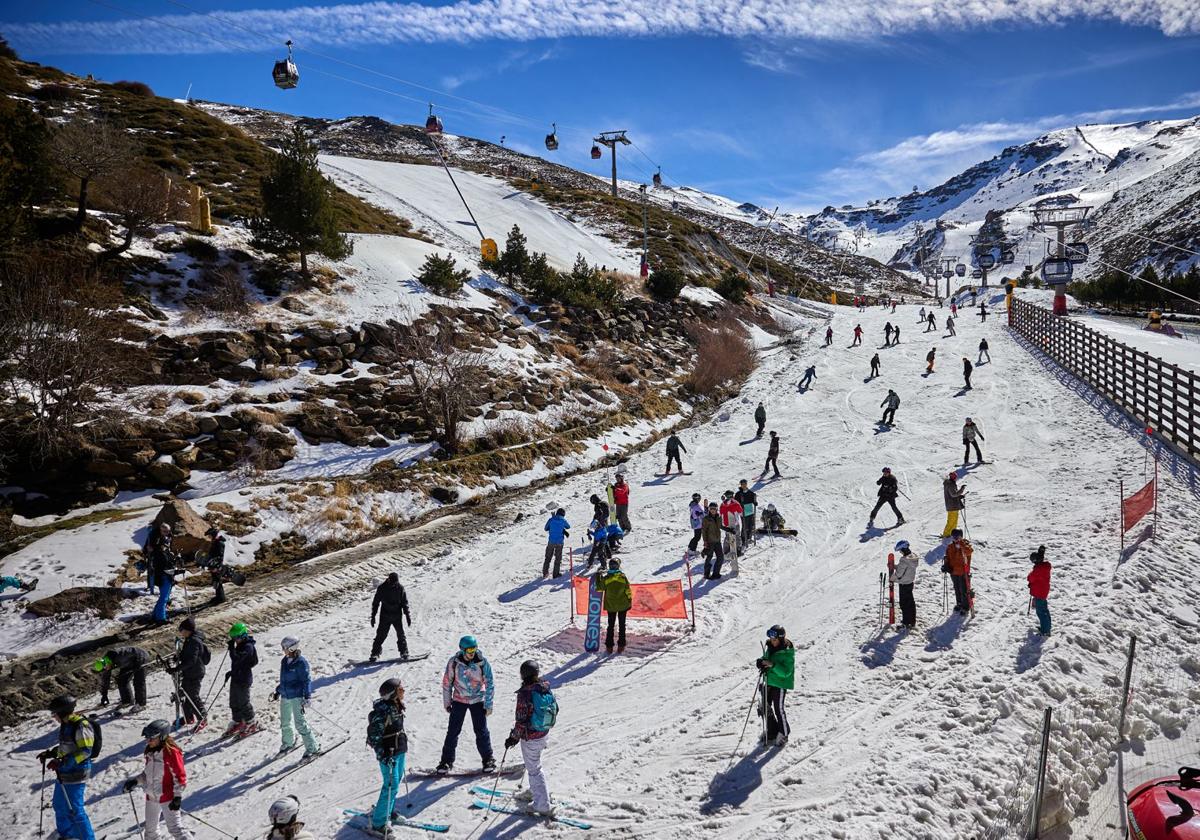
[658, 177]
[285, 73]
[595, 152]
[977, 274]
[960, 270]
[1008, 257]
[1077, 252]
[1056, 270]
[433, 124]
[552, 138]
[987, 261]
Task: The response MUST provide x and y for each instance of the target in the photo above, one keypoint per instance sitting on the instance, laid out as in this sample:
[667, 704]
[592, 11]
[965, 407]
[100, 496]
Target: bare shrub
[91, 150]
[223, 290]
[724, 356]
[141, 198]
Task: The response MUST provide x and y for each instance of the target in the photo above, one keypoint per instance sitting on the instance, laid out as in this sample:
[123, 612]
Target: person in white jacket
[164, 780]
[285, 825]
[905, 576]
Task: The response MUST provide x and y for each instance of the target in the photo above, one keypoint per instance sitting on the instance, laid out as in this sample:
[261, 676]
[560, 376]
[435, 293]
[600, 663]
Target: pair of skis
[361, 819]
[888, 578]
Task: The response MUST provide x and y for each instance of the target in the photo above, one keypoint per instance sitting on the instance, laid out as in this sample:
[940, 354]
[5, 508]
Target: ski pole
[328, 718]
[207, 823]
[753, 703]
[213, 684]
[499, 772]
[42, 808]
[133, 807]
[944, 593]
[1030, 607]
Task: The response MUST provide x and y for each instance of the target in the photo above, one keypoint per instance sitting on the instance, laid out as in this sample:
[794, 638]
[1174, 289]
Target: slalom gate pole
[210, 825]
[1154, 529]
[42, 806]
[328, 718]
[945, 593]
[1121, 508]
[133, 807]
[753, 703]
[495, 782]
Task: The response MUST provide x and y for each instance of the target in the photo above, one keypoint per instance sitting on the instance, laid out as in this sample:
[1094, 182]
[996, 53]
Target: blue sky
[770, 101]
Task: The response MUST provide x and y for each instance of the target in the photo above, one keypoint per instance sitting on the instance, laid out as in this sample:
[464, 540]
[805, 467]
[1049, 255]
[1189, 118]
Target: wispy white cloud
[524, 20]
[713, 140]
[518, 60]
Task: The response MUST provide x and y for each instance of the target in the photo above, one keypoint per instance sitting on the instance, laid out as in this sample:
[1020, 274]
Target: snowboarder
[1039, 588]
[983, 351]
[731, 522]
[618, 598]
[760, 417]
[130, 665]
[772, 456]
[888, 490]
[930, 358]
[982, 312]
[887, 334]
[467, 686]
[905, 576]
[284, 815]
[958, 559]
[712, 532]
[950, 325]
[674, 447]
[889, 405]
[193, 655]
[537, 711]
[970, 434]
[930, 323]
[828, 336]
[777, 666]
[748, 499]
[955, 498]
[391, 605]
[243, 657]
[294, 693]
[772, 519]
[874, 366]
[217, 569]
[695, 519]
[621, 499]
[386, 735]
[857, 335]
[558, 528]
[164, 779]
[71, 761]
[967, 368]
[810, 373]
[157, 551]
[10, 582]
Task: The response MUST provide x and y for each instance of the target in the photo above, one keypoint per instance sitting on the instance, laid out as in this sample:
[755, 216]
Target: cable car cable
[1126, 273]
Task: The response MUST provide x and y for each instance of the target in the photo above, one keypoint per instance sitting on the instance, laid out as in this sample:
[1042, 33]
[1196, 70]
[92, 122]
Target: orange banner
[1135, 507]
[650, 600]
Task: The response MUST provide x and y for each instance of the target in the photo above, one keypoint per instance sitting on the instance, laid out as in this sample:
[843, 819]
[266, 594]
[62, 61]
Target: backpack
[97, 735]
[205, 653]
[545, 710]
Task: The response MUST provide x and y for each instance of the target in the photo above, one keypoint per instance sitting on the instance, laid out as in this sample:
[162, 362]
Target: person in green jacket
[618, 598]
[777, 666]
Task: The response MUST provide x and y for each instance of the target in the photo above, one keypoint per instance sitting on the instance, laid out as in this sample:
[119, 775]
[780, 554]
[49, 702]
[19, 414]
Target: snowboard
[358, 663]
[456, 772]
[779, 532]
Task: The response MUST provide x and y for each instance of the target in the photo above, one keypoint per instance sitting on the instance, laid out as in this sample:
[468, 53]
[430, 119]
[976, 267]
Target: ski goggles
[774, 634]
[470, 651]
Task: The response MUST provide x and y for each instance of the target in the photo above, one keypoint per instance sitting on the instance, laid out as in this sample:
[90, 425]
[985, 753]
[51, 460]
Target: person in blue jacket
[558, 528]
[294, 693]
[71, 761]
[613, 537]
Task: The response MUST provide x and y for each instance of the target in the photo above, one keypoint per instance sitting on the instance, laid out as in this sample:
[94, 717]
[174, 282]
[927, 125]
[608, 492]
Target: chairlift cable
[1165, 244]
[1123, 271]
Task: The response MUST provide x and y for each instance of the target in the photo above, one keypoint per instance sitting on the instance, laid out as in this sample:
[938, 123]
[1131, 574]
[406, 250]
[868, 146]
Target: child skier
[386, 736]
[1039, 588]
[695, 519]
[164, 779]
[905, 576]
[777, 666]
[243, 657]
[294, 693]
[537, 711]
[193, 656]
[467, 686]
[285, 825]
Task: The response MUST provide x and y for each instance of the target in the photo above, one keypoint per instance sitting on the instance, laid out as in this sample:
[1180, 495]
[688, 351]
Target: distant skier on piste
[772, 457]
[621, 500]
[930, 323]
[887, 334]
[857, 335]
[386, 736]
[284, 815]
[889, 405]
[828, 336]
[558, 530]
[467, 687]
[391, 606]
[904, 577]
[971, 435]
[896, 336]
[70, 759]
[536, 714]
[921, 315]
[696, 520]
[930, 359]
[950, 325]
[983, 352]
[983, 313]
[956, 564]
[967, 368]
[243, 658]
[888, 490]
[674, 447]
[712, 532]
[164, 779]
[810, 373]
[294, 693]
[1039, 588]
[874, 366]
[777, 665]
[760, 417]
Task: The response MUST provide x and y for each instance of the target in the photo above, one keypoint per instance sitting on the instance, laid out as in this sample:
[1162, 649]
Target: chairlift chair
[977, 274]
[1077, 252]
[960, 270]
[658, 177]
[285, 73]
[987, 261]
[552, 138]
[1008, 257]
[433, 123]
[596, 155]
[1057, 270]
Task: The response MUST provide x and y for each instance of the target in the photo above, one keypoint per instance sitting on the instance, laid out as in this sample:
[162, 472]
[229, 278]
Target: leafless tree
[91, 150]
[142, 198]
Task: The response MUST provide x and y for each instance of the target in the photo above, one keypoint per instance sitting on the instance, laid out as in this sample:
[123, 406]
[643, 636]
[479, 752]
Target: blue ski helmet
[467, 642]
[902, 545]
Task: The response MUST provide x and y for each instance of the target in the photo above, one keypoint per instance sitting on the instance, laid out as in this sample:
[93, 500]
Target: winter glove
[372, 621]
[54, 764]
[408, 619]
[275, 696]
[510, 742]
[945, 568]
[447, 710]
[176, 803]
[45, 755]
[762, 664]
[129, 785]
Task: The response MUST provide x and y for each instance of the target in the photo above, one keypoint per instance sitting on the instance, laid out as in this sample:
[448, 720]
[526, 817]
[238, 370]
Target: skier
[888, 489]
[967, 368]
[467, 686]
[1039, 588]
[193, 655]
[386, 735]
[674, 447]
[156, 551]
[772, 457]
[930, 323]
[958, 559]
[905, 576]
[217, 569]
[712, 532]
[930, 358]
[772, 519]
[130, 665]
[828, 336]
[618, 598]
[284, 815]
[874, 366]
[558, 528]
[983, 351]
[537, 711]
[955, 498]
[599, 537]
[760, 417]
[953, 306]
[162, 570]
[921, 315]
[294, 693]
[612, 539]
[887, 334]
[892, 402]
[71, 761]
[621, 500]
[391, 604]
[857, 335]
[969, 434]
[695, 519]
[243, 657]
[810, 373]
[600, 511]
[950, 324]
[777, 666]
[896, 335]
[164, 779]
[731, 522]
[10, 582]
[748, 499]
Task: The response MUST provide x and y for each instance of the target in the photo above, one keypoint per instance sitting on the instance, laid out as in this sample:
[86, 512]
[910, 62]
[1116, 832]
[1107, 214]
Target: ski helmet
[62, 705]
[156, 729]
[529, 670]
[390, 686]
[957, 532]
[695, 497]
[238, 630]
[614, 563]
[902, 545]
[771, 506]
[289, 644]
[467, 642]
[953, 475]
[100, 664]
[284, 811]
[776, 632]
[887, 469]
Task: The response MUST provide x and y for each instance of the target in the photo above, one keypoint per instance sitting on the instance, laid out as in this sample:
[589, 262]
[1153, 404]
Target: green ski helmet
[238, 630]
[101, 663]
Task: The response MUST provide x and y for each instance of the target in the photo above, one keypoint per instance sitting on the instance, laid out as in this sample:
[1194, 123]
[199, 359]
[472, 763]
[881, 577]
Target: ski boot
[235, 728]
[200, 725]
[373, 658]
[443, 768]
[489, 765]
[285, 749]
[523, 795]
[249, 729]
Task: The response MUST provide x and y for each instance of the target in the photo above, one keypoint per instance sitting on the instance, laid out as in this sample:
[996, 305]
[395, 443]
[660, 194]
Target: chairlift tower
[948, 264]
[611, 139]
[1059, 213]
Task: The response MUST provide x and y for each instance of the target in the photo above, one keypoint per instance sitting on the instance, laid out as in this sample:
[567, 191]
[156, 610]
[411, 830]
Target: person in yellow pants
[955, 497]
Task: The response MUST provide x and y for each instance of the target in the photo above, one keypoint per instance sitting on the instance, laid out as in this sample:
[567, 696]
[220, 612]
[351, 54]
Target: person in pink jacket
[164, 780]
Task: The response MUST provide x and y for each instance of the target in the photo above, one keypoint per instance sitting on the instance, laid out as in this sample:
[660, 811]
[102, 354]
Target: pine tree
[297, 205]
[440, 275]
[733, 286]
[514, 262]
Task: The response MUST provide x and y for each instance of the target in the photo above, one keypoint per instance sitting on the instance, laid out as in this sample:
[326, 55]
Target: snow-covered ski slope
[893, 735]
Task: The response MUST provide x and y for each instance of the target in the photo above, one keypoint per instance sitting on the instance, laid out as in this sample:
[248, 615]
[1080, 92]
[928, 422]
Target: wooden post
[1125, 691]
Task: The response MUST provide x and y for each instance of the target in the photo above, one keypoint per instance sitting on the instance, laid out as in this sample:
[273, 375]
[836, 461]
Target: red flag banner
[1138, 505]
[650, 600]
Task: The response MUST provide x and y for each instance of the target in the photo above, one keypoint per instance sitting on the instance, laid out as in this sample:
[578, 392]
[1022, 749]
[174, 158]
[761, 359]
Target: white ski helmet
[284, 811]
[289, 644]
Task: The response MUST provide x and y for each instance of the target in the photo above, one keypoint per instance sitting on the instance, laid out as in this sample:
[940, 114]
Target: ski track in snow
[893, 735]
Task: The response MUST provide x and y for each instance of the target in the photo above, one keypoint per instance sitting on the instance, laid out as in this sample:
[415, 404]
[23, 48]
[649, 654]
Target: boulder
[187, 526]
[445, 495]
[166, 472]
[109, 468]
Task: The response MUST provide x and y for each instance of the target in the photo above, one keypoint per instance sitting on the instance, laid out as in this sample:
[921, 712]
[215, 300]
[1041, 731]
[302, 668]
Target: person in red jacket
[164, 779]
[731, 523]
[621, 499]
[1039, 588]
